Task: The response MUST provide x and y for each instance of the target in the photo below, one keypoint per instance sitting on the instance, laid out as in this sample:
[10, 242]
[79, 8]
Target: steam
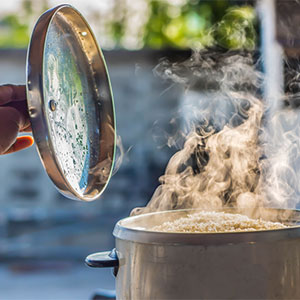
[282, 159]
[102, 170]
[119, 156]
[235, 154]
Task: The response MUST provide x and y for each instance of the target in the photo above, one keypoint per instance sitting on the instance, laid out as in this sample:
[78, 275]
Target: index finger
[10, 93]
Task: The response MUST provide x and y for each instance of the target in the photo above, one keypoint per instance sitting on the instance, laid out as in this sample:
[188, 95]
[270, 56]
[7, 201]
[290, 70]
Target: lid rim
[35, 99]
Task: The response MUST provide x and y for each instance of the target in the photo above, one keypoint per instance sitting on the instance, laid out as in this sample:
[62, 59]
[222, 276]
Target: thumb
[21, 143]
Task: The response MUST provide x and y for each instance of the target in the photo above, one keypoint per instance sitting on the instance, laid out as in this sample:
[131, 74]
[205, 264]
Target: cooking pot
[238, 265]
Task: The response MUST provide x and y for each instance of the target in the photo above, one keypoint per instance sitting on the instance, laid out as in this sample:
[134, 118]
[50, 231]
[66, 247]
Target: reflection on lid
[67, 87]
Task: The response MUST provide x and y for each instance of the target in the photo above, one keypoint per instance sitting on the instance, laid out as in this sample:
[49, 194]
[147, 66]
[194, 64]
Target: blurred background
[45, 237]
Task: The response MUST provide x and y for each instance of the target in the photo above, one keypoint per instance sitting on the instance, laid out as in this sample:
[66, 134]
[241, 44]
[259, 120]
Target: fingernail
[25, 141]
[21, 143]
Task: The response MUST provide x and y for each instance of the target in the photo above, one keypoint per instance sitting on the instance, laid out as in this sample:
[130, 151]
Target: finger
[10, 93]
[21, 143]
[10, 120]
[21, 107]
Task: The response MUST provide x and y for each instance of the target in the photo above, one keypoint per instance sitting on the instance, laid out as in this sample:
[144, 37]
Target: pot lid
[70, 104]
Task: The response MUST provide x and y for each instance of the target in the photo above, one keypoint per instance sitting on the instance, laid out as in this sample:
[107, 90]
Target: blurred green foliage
[237, 29]
[179, 24]
[15, 29]
[187, 26]
[198, 24]
[13, 34]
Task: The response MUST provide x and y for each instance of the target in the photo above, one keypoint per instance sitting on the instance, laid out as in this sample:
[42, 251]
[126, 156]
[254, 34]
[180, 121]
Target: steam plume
[230, 156]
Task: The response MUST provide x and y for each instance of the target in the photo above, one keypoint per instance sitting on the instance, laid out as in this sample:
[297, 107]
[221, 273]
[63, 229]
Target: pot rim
[142, 235]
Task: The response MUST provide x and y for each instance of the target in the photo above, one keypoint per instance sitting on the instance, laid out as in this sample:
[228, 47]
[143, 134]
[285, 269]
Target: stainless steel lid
[70, 103]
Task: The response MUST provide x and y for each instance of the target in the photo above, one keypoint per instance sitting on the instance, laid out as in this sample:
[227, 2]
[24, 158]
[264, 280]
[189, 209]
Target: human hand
[13, 119]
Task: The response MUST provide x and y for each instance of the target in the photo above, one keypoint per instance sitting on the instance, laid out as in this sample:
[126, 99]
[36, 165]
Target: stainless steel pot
[241, 265]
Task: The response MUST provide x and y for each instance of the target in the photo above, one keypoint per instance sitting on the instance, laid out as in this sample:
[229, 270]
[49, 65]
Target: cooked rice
[205, 222]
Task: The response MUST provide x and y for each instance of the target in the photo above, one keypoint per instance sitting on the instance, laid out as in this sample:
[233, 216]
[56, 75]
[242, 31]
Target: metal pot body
[265, 270]
[244, 265]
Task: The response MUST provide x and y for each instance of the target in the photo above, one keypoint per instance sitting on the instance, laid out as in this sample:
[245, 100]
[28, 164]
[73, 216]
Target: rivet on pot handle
[107, 259]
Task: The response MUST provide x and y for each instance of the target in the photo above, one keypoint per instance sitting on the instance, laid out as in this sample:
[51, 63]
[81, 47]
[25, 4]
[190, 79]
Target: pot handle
[108, 259]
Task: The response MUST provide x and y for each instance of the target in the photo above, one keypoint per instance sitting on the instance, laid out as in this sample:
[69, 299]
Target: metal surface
[138, 229]
[245, 265]
[70, 104]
